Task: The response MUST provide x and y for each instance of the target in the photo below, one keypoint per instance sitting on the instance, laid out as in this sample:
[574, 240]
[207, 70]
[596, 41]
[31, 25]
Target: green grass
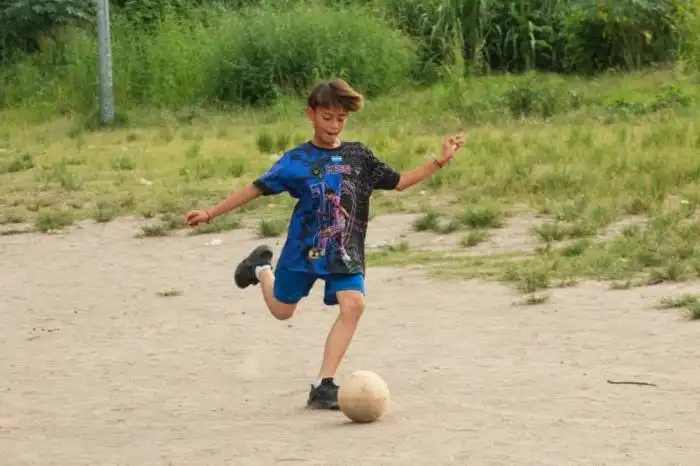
[206, 103]
[271, 227]
[219, 225]
[212, 55]
[582, 168]
[688, 301]
[474, 238]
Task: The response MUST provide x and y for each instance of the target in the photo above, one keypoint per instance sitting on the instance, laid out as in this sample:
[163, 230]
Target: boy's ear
[309, 112]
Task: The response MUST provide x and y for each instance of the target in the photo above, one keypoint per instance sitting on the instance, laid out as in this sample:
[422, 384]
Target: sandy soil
[97, 368]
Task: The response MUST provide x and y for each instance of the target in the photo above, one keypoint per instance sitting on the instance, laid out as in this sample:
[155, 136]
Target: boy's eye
[330, 117]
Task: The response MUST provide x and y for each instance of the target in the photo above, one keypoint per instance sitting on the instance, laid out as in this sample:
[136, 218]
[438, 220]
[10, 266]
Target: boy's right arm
[272, 182]
[237, 199]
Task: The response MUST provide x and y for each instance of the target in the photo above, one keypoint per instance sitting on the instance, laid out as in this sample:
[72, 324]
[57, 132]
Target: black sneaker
[245, 271]
[325, 396]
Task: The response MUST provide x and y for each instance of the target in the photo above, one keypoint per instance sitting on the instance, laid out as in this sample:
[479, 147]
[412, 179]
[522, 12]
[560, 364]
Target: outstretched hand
[195, 217]
[451, 145]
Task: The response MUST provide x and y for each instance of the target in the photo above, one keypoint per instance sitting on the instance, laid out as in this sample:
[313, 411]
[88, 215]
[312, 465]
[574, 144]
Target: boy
[333, 182]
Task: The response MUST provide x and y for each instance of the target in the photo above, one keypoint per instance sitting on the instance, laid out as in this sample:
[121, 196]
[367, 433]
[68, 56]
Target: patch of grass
[61, 175]
[270, 228]
[559, 231]
[429, 221]
[397, 254]
[104, 212]
[172, 221]
[576, 248]
[688, 301]
[157, 230]
[17, 163]
[266, 142]
[474, 238]
[549, 232]
[269, 142]
[664, 251]
[52, 220]
[476, 218]
[218, 225]
[124, 162]
[675, 302]
[12, 216]
[481, 217]
[530, 280]
[448, 227]
[432, 221]
[401, 246]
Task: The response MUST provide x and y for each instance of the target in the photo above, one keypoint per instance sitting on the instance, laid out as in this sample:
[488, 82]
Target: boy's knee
[283, 311]
[352, 304]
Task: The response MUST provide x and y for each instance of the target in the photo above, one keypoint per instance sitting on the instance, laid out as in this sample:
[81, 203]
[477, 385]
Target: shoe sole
[325, 407]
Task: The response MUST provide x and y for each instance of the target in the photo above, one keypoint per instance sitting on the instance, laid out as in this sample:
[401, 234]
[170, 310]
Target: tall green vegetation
[211, 55]
[173, 53]
[579, 36]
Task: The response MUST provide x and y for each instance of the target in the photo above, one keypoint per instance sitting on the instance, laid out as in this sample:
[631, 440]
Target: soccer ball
[363, 397]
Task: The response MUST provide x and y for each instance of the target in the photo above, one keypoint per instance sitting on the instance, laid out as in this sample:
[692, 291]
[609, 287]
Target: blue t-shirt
[333, 186]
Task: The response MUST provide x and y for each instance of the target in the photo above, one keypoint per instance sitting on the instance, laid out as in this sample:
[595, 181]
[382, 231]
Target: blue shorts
[290, 287]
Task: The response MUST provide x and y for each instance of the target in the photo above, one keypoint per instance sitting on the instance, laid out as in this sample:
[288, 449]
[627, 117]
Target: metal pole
[105, 62]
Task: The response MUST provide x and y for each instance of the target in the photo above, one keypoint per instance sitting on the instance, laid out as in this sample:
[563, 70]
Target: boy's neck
[318, 143]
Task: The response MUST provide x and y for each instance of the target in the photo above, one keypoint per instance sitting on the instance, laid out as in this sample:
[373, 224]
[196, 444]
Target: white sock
[317, 383]
[259, 269]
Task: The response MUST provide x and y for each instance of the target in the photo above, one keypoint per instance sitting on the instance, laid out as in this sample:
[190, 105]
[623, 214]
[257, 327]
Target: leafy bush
[266, 53]
[582, 36]
[170, 53]
[624, 34]
[24, 22]
[247, 57]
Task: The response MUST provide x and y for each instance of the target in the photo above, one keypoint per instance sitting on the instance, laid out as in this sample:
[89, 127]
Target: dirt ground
[97, 368]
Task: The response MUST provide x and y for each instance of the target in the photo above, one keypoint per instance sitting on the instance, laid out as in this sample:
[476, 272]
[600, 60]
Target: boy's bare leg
[281, 311]
[324, 393]
[352, 305]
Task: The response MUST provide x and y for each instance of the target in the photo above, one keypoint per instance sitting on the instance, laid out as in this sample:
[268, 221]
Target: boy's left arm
[414, 176]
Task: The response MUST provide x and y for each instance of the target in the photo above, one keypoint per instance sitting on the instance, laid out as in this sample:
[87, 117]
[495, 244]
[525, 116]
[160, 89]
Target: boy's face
[328, 123]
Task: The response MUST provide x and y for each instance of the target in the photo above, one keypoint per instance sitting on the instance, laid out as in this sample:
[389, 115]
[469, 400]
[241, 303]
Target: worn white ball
[363, 397]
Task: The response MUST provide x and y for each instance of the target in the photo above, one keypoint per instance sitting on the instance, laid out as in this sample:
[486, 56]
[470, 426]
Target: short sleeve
[274, 180]
[380, 174]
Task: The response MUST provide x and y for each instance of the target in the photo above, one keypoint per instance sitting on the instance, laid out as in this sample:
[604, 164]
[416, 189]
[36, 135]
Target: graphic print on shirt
[327, 228]
[334, 222]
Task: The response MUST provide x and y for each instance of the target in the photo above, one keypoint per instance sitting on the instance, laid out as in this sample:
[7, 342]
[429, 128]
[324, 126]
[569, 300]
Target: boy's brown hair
[335, 92]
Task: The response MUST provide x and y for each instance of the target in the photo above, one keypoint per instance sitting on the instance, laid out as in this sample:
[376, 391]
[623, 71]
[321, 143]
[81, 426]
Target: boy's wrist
[440, 163]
